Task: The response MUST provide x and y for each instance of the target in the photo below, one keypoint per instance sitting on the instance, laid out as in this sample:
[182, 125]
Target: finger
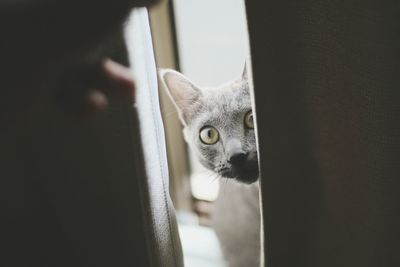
[120, 76]
[96, 101]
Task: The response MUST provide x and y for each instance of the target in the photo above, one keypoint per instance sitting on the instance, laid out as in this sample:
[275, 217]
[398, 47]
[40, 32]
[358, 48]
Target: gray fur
[222, 107]
[236, 217]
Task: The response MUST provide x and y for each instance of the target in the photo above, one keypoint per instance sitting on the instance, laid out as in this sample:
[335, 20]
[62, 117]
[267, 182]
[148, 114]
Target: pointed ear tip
[162, 72]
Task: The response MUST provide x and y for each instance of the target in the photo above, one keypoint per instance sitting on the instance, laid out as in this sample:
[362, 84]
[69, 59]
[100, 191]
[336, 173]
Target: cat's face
[218, 125]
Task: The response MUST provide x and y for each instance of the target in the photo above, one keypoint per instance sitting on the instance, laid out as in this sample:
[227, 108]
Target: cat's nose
[234, 152]
[237, 158]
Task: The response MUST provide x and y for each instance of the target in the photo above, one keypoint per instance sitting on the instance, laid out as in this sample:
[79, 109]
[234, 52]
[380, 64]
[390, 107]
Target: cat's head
[218, 124]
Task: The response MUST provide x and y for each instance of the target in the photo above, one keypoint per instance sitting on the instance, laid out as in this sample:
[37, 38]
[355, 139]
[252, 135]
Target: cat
[218, 126]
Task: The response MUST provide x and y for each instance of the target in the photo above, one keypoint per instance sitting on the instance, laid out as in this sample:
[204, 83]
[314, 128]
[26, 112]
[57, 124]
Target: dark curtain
[327, 93]
[69, 187]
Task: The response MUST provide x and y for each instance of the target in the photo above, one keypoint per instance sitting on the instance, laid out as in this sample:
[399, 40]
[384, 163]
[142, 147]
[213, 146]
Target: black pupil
[209, 133]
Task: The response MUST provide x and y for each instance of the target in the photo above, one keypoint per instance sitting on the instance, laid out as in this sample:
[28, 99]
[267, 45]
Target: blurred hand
[89, 91]
[120, 86]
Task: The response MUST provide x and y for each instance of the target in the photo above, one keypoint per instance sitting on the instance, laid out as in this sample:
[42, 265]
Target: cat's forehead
[235, 94]
[222, 104]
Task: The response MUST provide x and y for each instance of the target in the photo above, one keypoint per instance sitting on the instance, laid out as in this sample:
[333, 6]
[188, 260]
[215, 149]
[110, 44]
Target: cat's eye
[248, 120]
[209, 135]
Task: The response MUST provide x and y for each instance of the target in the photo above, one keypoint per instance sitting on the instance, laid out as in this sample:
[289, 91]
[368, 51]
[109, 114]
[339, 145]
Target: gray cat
[218, 126]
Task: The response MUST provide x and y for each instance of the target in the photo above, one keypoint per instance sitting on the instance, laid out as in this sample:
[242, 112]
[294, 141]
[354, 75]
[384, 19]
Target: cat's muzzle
[243, 168]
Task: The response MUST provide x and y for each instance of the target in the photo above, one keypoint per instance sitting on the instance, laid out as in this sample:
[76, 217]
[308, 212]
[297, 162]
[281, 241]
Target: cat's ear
[183, 93]
[244, 72]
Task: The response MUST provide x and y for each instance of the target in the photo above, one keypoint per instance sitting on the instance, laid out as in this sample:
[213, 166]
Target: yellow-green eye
[248, 120]
[209, 135]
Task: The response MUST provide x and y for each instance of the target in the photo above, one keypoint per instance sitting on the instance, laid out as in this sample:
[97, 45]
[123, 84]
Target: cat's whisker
[216, 177]
[223, 186]
[205, 172]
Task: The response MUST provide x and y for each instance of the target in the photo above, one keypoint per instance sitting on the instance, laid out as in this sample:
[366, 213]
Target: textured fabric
[69, 190]
[326, 81]
[160, 215]
[76, 192]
